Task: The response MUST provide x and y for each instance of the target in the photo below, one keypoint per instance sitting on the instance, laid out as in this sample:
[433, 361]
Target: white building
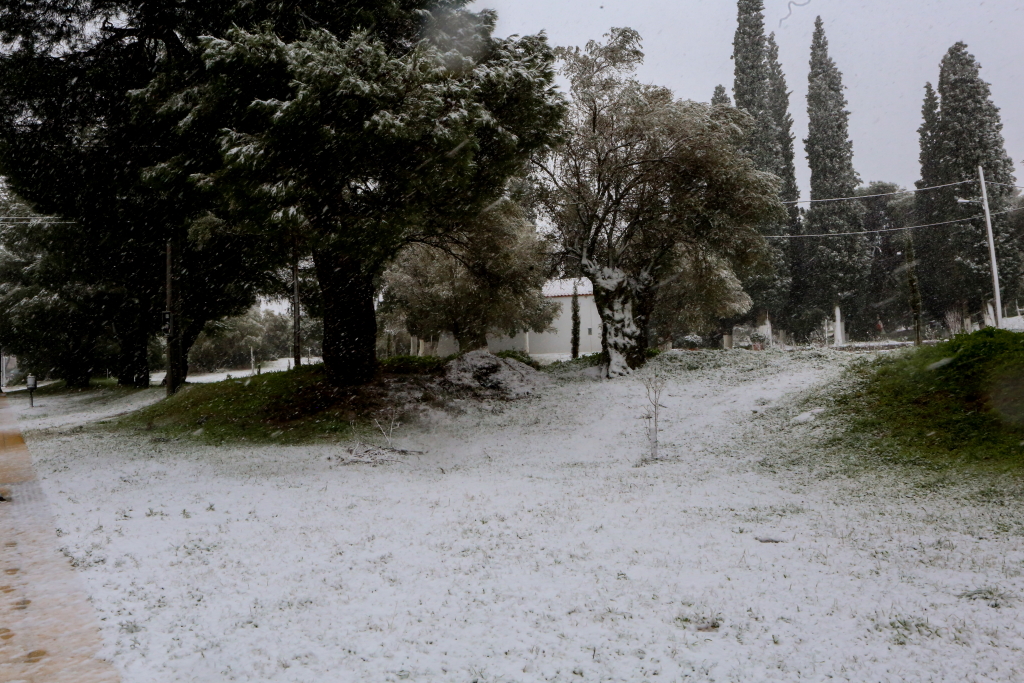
[557, 340]
[559, 337]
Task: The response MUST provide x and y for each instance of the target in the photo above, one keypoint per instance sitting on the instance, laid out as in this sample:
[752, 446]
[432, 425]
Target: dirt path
[48, 630]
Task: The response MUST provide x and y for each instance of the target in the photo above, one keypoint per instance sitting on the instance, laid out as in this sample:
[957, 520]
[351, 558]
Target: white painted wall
[559, 338]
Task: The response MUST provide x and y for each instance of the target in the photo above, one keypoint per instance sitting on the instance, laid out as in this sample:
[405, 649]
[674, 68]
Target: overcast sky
[886, 50]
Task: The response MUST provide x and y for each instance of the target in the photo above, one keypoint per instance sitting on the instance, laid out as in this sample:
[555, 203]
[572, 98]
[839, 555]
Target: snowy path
[526, 546]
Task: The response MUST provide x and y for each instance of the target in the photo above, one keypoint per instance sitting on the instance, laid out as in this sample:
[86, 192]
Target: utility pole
[296, 331]
[991, 249]
[170, 378]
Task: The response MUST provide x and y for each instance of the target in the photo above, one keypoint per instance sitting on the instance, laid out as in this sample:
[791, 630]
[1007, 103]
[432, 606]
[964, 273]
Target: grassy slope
[293, 406]
[959, 403]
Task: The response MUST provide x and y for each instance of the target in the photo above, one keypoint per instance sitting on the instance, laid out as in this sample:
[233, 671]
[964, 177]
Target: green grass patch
[958, 403]
[588, 361]
[281, 407]
[520, 356]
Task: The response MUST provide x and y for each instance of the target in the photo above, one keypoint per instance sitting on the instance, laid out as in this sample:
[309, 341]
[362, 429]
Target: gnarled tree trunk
[622, 336]
[350, 323]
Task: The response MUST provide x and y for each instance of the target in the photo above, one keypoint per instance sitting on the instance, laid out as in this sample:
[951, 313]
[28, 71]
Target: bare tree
[640, 178]
[654, 384]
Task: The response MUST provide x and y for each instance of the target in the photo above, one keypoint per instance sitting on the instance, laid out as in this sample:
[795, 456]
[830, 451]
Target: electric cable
[884, 194]
[906, 227]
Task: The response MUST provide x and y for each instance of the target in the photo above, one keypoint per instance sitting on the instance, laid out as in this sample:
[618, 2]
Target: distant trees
[485, 278]
[644, 183]
[54, 325]
[255, 336]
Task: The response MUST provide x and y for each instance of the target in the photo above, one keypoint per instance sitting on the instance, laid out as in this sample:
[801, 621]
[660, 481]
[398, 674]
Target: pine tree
[836, 266]
[720, 98]
[965, 134]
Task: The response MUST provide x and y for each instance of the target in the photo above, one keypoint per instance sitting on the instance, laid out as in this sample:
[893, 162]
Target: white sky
[886, 50]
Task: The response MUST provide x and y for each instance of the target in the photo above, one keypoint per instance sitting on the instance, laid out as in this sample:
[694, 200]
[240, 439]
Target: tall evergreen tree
[753, 89]
[751, 84]
[778, 104]
[720, 98]
[961, 131]
[837, 267]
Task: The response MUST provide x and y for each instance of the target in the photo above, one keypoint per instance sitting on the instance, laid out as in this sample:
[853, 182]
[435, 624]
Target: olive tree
[641, 176]
[485, 278]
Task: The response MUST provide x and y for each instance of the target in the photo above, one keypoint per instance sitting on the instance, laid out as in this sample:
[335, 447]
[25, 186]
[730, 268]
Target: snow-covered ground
[525, 544]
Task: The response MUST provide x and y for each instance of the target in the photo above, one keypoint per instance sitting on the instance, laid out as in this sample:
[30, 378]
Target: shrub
[413, 365]
[520, 356]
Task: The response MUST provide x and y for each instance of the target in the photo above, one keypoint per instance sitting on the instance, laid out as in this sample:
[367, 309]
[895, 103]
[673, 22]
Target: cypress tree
[575, 340]
[778, 105]
[836, 266]
[931, 206]
[967, 134]
[753, 89]
[750, 87]
[720, 98]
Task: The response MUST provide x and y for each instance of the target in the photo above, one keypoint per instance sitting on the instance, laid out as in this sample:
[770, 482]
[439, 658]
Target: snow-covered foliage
[486, 277]
[645, 184]
[487, 375]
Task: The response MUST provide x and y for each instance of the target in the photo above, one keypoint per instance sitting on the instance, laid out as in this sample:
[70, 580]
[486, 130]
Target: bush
[413, 365]
[962, 398]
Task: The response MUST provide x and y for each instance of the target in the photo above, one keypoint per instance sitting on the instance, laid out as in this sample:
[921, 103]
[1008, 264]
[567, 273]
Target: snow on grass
[525, 544]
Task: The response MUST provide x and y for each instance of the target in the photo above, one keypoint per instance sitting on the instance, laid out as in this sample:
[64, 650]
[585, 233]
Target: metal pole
[296, 330]
[991, 248]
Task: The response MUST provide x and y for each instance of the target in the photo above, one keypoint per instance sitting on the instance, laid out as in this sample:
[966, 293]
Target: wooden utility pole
[915, 289]
[296, 330]
[171, 377]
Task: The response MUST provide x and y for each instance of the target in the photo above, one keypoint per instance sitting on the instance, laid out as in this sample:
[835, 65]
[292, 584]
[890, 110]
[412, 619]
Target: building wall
[559, 339]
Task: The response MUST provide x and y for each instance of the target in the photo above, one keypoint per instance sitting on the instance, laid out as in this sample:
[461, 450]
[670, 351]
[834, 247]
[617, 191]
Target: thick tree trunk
[471, 342]
[622, 337]
[350, 323]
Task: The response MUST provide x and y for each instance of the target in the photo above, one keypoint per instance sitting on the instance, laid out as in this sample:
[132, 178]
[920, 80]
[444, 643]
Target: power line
[884, 194]
[906, 227]
[990, 182]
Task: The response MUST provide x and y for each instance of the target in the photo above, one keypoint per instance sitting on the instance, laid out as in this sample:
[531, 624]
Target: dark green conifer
[837, 267]
[721, 98]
